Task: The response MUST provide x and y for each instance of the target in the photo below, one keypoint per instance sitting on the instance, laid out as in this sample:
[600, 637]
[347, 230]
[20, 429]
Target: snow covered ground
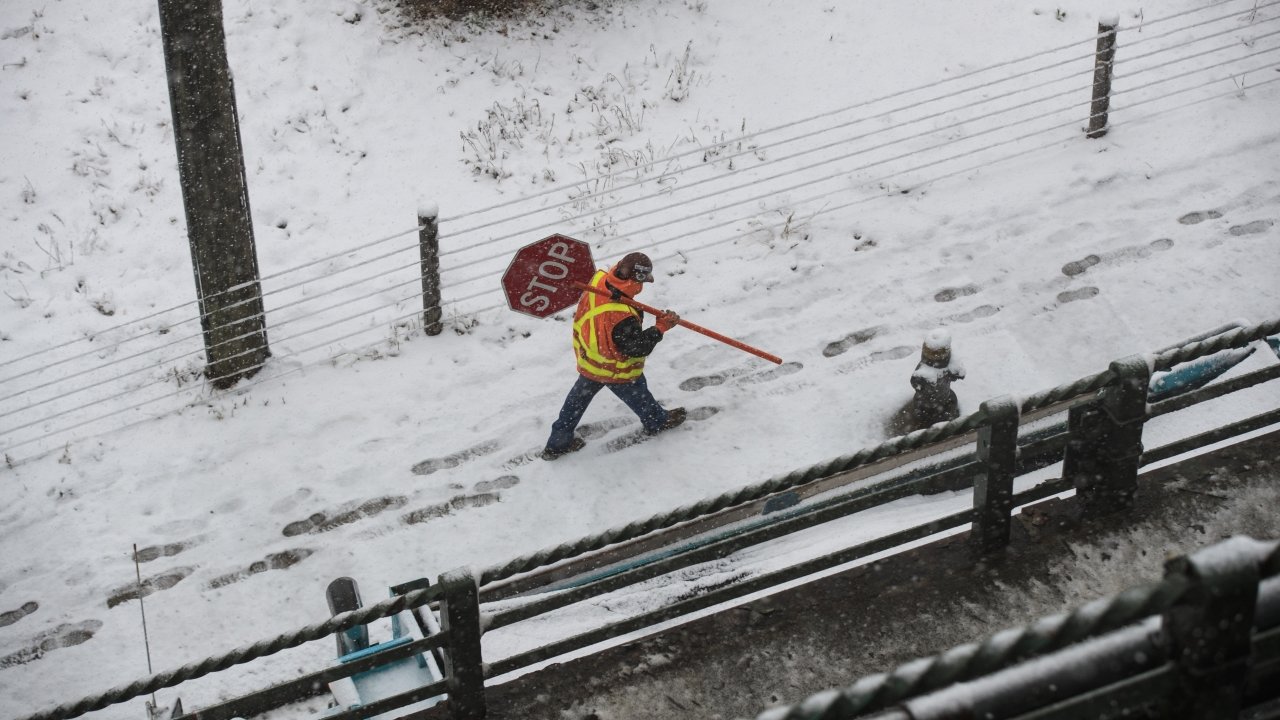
[828, 181]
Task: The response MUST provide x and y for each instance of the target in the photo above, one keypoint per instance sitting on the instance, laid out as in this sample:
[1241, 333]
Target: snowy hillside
[827, 181]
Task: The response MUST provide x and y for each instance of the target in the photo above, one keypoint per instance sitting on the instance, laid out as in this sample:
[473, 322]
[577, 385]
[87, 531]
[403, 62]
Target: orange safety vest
[593, 323]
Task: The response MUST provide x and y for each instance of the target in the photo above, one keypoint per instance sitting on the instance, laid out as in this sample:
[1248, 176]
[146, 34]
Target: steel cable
[883, 98]
[752, 199]
[914, 168]
[99, 350]
[242, 353]
[415, 265]
[880, 162]
[237, 389]
[615, 189]
[753, 150]
[158, 313]
[1202, 69]
[205, 349]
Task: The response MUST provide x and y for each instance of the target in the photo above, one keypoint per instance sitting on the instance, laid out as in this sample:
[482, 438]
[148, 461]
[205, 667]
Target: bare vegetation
[458, 9]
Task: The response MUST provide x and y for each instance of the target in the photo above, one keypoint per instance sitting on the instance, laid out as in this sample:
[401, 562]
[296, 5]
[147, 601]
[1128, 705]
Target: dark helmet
[634, 266]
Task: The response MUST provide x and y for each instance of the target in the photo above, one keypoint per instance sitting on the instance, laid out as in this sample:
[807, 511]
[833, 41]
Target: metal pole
[429, 249]
[146, 641]
[1102, 64]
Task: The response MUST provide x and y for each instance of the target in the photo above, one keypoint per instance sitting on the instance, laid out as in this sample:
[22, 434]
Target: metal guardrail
[1202, 644]
[1100, 445]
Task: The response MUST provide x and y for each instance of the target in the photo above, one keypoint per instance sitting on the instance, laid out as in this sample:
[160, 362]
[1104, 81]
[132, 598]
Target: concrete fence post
[1103, 61]
[1104, 446]
[1209, 632]
[464, 661]
[429, 250]
[993, 488]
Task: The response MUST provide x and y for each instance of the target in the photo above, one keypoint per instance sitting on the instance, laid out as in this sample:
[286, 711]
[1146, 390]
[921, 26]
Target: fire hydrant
[935, 401]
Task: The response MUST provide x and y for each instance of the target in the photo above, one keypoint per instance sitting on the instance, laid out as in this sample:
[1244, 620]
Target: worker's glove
[667, 320]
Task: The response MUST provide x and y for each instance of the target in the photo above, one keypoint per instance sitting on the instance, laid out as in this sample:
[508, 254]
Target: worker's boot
[675, 416]
[574, 446]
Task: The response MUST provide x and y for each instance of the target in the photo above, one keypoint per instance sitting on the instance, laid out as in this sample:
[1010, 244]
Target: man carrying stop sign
[610, 346]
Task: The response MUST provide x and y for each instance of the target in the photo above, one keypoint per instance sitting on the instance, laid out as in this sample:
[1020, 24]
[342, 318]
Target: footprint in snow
[501, 483]
[587, 431]
[949, 294]
[450, 506]
[150, 585]
[1199, 216]
[895, 353]
[842, 345]
[982, 311]
[13, 616]
[773, 373]
[1252, 228]
[153, 552]
[426, 467]
[1083, 293]
[65, 635]
[274, 561]
[324, 522]
[1133, 252]
[741, 376]
[638, 436]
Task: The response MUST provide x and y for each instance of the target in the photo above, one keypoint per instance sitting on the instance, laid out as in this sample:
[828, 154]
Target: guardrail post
[1103, 62]
[993, 488]
[1104, 447]
[464, 662]
[429, 250]
[1209, 631]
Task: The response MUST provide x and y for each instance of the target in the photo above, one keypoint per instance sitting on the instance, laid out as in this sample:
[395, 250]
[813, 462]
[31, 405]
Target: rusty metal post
[429, 250]
[464, 661]
[1103, 61]
[993, 488]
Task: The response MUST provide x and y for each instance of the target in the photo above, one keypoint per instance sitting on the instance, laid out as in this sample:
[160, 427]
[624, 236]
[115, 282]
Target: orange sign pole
[685, 323]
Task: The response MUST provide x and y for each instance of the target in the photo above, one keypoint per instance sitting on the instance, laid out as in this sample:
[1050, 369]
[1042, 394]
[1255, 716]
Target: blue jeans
[635, 394]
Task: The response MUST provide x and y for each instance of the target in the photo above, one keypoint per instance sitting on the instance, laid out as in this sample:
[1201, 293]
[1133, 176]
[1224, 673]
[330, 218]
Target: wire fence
[48, 395]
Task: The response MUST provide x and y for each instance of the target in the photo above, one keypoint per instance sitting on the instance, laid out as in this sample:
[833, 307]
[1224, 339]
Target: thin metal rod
[146, 641]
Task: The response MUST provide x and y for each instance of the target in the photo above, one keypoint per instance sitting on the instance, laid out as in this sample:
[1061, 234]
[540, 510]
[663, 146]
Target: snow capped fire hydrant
[935, 401]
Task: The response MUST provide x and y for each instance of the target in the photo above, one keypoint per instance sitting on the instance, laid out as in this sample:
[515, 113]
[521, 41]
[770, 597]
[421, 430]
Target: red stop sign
[540, 280]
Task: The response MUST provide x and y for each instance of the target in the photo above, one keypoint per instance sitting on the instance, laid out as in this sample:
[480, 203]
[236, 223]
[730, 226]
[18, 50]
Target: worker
[611, 345]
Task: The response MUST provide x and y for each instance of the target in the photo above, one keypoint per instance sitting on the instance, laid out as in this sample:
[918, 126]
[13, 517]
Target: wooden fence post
[1104, 447]
[1102, 63]
[464, 661]
[215, 194]
[993, 488]
[429, 250]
